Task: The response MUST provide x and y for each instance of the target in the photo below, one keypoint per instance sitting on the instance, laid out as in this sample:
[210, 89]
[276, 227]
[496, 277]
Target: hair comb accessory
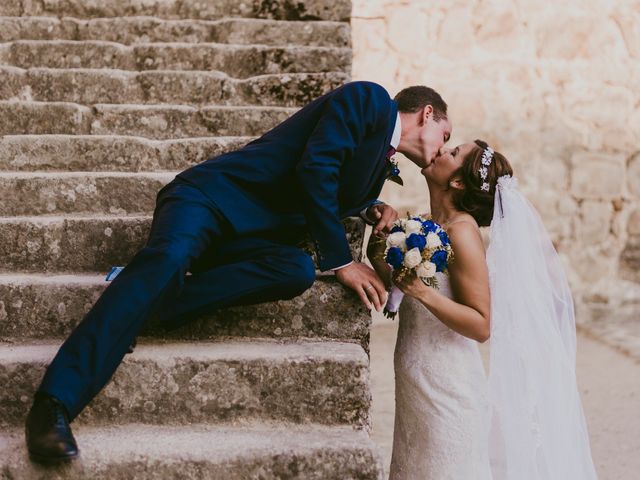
[487, 157]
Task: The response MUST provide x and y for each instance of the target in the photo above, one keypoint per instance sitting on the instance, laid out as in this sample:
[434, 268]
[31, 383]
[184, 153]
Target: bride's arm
[469, 314]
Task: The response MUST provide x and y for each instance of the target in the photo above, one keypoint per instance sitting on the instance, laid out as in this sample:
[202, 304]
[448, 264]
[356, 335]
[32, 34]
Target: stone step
[204, 452]
[135, 30]
[239, 61]
[117, 193]
[339, 10]
[91, 243]
[49, 306]
[152, 121]
[64, 153]
[96, 86]
[209, 382]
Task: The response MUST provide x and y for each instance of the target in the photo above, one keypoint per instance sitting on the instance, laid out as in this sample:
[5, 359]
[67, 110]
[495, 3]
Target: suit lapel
[381, 173]
[379, 168]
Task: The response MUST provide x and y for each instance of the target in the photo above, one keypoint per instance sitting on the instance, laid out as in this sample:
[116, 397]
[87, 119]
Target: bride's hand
[411, 285]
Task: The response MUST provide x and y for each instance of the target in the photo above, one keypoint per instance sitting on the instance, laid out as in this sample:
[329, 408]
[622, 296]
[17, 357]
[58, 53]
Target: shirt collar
[395, 137]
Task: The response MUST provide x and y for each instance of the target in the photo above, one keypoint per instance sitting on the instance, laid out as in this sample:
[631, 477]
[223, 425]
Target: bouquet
[416, 244]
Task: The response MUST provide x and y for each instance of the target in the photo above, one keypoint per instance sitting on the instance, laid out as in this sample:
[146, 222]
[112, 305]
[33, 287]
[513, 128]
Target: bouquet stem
[393, 302]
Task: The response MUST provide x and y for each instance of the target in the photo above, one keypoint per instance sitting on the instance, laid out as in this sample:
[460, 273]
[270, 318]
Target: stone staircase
[101, 103]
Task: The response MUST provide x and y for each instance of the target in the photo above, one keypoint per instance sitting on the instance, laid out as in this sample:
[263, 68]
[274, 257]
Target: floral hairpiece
[487, 157]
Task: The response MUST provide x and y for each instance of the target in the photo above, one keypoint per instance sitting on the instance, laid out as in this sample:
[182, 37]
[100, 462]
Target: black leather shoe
[49, 437]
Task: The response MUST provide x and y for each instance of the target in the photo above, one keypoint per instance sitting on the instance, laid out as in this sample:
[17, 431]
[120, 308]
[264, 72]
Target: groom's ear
[427, 111]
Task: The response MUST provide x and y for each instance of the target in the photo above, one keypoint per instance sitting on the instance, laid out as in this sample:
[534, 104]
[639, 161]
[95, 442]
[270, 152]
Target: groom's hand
[365, 282]
[384, 215]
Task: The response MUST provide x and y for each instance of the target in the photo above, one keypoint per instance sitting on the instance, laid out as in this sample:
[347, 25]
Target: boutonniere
[393, 172]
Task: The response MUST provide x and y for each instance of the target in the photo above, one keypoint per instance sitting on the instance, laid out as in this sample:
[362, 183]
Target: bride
[525, 421]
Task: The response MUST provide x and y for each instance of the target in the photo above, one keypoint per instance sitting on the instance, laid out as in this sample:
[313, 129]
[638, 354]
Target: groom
[233, 221]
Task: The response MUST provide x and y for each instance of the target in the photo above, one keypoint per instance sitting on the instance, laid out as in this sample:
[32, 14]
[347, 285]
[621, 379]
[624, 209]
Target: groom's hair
[414, 99]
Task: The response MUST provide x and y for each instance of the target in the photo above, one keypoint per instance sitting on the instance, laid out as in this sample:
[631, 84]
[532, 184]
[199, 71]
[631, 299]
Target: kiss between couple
[234, 221]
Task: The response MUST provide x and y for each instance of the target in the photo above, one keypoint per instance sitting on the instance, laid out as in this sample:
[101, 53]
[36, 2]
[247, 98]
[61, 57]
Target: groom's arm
[349, 115]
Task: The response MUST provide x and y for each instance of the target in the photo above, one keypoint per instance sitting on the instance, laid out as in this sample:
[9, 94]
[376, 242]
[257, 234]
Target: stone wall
[555, 88]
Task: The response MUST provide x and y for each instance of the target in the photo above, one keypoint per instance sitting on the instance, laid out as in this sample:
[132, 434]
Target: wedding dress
[524, 421]
[442, 411]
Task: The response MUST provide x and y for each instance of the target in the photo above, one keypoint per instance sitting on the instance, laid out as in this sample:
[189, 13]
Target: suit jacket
[324, 163]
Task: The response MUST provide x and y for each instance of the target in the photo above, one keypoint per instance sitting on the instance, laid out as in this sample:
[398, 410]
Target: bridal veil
[538, 429]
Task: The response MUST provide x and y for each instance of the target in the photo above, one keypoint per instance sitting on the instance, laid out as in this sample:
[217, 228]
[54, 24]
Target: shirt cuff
[341, 266]
[363, 212]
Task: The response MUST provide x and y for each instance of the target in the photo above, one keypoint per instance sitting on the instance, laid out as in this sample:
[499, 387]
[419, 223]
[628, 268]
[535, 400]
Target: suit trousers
[188, 234]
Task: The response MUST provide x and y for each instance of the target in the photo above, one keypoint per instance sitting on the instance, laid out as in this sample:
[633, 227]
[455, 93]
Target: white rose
[426, 270]
[412, 226]
[412, 258]
[397, 239]
[433, 240]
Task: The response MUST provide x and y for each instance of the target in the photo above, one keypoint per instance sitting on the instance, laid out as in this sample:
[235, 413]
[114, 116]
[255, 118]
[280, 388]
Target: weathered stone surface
[108, 153]
[597, 175]
[240, 61]
[153, 121]
[39, 306]
[38, 28]
[627, 19]
[77, 85]
[93, 244]
[595, 221]
[41, 118]
[12, 8]
[199, 9]
[164, 122]
[498, 28]
[198, 452]
[630, 257]
[615, 325]
[181, 383]
[633, 224]
[572, 35]
[12, 83]
[286, 90]
[633, 174]
[132, 30]
[52, 244]
[56, 193]
[91, 87]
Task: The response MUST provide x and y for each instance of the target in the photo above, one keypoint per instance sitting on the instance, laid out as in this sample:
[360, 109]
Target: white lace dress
[441, 420]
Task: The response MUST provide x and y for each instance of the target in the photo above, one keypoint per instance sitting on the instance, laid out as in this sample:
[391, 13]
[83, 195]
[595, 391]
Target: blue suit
[232, 221]
[322, 164]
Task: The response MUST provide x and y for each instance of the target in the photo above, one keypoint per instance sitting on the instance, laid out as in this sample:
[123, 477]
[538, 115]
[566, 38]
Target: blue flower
[395, 257]
[393, 172]
[444, 238]
[416, 241]
[440, 259]
[430, 226]
[397, 228]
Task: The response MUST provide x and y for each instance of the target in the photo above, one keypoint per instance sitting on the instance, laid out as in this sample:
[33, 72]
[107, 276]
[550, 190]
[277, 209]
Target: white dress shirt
[395, 141]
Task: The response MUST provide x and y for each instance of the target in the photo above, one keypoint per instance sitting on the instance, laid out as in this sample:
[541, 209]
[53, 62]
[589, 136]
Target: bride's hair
[472, 198]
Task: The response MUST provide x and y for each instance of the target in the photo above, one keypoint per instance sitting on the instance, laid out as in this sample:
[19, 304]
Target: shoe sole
[47, 460]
